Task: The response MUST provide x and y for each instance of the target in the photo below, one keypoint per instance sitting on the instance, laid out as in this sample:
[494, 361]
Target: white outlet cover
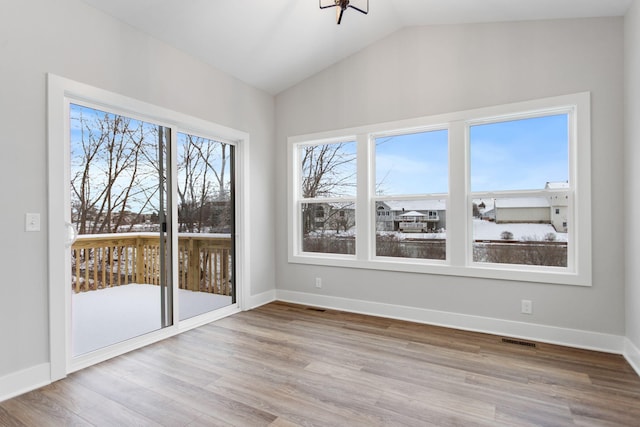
[32, 222]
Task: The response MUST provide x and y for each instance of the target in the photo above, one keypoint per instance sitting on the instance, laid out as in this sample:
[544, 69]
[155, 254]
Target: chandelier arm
[334, 3]
[359, 10]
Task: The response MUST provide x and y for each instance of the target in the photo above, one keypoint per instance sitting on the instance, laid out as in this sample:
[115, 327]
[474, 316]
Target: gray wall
[73, 40]
[632, 171]
[417, 71]
[438, 69]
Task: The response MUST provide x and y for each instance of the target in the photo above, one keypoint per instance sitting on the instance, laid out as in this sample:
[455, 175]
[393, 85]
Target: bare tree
[114, 171]
[204, 184]
[327, 170]
[116, 175]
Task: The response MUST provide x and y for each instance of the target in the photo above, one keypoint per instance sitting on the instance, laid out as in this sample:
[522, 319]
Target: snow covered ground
[482, 230]
[488, 230]
[414, 236]
[108, 316]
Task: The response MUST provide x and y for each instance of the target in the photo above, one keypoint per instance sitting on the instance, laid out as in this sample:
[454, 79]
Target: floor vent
[321, 310]
[518, 342]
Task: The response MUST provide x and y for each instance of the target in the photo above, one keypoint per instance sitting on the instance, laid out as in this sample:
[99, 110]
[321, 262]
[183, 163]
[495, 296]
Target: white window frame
[424, 196]
[296, 218]
[459, 260]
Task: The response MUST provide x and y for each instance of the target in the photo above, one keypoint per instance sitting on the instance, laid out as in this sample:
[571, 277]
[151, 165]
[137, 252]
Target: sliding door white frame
[62, 91]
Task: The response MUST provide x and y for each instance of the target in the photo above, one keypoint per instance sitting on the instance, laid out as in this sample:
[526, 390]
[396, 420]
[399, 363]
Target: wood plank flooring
[289, 365]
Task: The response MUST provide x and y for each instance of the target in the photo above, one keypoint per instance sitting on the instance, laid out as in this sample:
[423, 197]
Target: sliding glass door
[121, 209]
[206, 224]
[121, 201]
[142, 229]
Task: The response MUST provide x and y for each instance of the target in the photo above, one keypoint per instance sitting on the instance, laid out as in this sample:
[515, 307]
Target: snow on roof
[488, 204]
[413, 213]
[416, 205]
[522, 202]
[342, 205]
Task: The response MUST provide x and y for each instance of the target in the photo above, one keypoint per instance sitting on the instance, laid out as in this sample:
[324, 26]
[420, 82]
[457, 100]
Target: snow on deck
[108, 316]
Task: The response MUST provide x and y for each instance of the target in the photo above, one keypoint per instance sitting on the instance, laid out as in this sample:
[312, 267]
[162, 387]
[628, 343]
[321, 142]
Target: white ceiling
[274, 44]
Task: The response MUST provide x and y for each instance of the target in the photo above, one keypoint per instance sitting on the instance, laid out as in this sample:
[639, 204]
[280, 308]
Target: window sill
[515, 273]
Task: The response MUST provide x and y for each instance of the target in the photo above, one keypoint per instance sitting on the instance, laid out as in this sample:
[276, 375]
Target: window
[412, 172]
[480, 193]
[327, 188]
[520, 164]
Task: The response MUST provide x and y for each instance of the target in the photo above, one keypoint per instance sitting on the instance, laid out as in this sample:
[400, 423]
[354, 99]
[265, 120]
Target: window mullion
[364, 210]
[457, 208]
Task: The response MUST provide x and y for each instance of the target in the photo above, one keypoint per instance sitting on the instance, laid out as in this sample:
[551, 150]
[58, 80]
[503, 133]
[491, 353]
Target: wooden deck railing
[108, 260]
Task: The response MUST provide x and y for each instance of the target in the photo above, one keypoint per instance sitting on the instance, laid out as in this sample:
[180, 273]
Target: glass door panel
[205, 225]
[119, 206]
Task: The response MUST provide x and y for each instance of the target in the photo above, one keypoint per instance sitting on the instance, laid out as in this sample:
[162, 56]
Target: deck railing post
[139, 257]
[194, 265]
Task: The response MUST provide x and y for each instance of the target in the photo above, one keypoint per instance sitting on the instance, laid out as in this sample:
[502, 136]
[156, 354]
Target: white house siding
[523, 214]
[559, 220]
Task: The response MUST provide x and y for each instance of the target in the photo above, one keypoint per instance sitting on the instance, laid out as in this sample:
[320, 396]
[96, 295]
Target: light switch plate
[32, 222]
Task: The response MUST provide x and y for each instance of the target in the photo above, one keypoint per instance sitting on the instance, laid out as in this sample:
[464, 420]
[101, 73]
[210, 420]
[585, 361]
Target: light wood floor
[286, 365]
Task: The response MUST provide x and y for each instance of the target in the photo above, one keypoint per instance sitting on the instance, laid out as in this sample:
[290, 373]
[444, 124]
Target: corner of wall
[255, 301]
[632, 354]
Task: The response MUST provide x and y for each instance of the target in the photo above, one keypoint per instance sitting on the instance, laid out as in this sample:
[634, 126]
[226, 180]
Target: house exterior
[522, 210]
[411, 215]
[406, 216]
[559, 204]
[328, 216]
[550, 209]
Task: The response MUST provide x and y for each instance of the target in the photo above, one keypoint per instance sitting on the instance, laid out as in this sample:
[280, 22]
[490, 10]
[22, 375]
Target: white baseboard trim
[23, 381]
[632, 354]
[261, 299]
[548, 334]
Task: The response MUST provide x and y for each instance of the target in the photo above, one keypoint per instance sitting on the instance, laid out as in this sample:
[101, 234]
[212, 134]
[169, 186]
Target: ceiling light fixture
[342, 5]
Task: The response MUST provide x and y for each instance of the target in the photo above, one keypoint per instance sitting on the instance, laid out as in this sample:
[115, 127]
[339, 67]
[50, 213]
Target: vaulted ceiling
[274, 44]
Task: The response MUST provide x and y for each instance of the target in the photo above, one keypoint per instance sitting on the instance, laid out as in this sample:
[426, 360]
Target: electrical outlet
[318, 282]
[527, 306]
